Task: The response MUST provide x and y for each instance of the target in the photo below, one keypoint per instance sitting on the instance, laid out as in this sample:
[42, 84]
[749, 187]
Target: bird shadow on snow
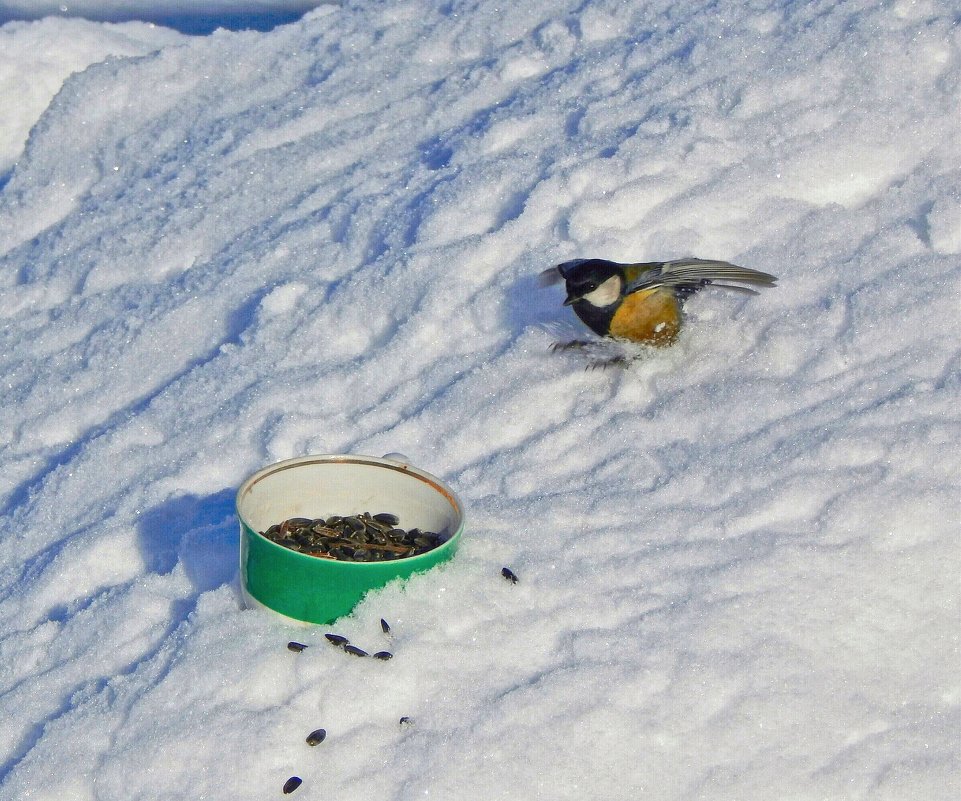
[198, 532]
[531, 305]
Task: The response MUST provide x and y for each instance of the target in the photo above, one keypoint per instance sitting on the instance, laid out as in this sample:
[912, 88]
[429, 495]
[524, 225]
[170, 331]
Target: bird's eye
[590, 286]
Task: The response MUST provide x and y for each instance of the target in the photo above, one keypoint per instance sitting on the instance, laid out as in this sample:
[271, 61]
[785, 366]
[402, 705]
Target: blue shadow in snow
[193, 22]
[199, 532]
[531, 304]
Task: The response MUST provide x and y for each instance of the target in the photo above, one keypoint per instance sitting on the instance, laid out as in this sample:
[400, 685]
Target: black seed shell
[292, 784]
[316, 737]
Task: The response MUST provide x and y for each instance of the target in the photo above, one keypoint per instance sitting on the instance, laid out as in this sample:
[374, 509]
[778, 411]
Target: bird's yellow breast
[652, 316]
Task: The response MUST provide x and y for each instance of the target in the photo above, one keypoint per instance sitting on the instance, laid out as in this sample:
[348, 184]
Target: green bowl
[314, 590]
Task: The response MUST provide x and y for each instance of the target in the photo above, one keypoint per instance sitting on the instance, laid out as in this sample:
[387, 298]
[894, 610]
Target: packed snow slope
[738, 558]
[35, 59]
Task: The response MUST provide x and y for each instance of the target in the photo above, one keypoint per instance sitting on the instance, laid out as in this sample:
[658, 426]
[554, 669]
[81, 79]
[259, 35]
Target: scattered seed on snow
[316, 737]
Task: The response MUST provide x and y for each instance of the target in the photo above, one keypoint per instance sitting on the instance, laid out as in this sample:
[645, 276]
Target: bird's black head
[597, 282]
[594, 290]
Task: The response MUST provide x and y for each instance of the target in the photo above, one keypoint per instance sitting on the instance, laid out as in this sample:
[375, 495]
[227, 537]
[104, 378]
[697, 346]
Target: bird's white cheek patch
[606, 294]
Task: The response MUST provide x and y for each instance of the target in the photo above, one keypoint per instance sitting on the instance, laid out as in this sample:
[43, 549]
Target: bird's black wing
[561, 272]
[686, 276]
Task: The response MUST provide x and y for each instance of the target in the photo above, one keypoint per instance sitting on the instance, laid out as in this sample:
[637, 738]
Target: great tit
[642, 302]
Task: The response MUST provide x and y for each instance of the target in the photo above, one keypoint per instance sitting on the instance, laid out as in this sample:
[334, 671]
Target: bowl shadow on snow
[197, 532]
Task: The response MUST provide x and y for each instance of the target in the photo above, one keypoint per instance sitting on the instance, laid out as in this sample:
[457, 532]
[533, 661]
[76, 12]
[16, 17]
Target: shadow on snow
[199, 22]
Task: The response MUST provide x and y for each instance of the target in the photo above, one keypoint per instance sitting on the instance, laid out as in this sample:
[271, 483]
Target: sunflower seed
[355, 523]
[316, 737]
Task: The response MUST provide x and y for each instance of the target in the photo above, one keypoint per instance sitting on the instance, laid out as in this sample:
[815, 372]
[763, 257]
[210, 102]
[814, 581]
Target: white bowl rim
[347, 458]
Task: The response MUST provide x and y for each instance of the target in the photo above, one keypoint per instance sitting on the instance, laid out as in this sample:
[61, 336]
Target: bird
[641, 302]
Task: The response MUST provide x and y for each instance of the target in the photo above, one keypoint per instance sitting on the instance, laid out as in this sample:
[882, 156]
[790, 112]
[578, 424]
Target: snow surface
[35, 60]
[739, 558]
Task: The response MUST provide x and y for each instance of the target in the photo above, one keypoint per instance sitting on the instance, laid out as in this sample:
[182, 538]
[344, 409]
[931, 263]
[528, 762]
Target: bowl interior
[347, 485]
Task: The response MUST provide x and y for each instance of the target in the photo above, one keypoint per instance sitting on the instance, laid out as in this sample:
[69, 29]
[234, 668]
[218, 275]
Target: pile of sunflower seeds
[354, 538]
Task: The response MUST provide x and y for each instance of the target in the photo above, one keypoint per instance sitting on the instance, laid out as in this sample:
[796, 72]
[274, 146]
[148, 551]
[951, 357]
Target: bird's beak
[570, 299]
